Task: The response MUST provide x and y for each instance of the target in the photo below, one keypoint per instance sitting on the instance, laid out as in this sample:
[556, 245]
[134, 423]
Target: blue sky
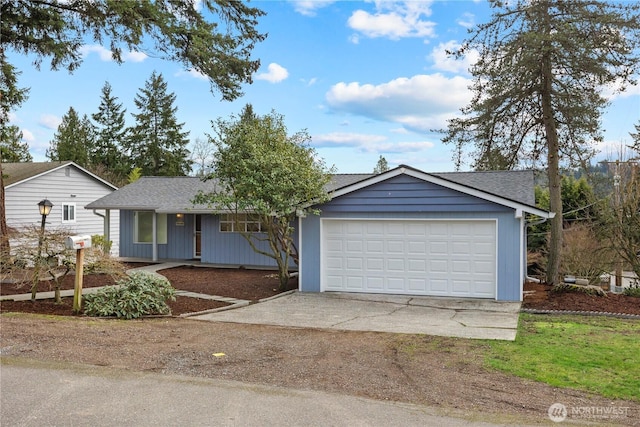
[364, 78]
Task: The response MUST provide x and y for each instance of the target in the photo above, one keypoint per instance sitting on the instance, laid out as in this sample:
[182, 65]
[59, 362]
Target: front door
[197, 240]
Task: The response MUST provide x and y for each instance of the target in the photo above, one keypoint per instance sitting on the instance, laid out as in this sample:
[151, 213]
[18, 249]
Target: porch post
[154, 238]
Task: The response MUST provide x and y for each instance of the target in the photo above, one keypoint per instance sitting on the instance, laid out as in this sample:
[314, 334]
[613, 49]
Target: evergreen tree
[636, 139]
[216, 38]
[381, 166]
[74, 139]
[157, 144]
[12, 149]
[537, 87]
[111, 132]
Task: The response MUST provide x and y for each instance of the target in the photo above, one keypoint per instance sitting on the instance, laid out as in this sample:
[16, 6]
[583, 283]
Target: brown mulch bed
[539, 296]
[235, 283]
[257, 284]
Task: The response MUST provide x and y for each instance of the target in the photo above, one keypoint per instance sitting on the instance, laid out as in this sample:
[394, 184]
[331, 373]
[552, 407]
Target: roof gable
[17, 173]
[513, 189]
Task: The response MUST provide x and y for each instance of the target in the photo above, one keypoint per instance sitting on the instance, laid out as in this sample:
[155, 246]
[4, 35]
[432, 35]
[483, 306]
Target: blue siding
[230, 248]
[405, 197]
[217, 248]
[407, 194]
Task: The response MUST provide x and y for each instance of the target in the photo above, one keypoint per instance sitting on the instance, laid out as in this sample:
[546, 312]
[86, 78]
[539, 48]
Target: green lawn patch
[595, 354]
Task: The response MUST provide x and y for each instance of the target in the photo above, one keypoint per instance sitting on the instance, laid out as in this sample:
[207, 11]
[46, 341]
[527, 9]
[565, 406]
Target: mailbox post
[79, 243]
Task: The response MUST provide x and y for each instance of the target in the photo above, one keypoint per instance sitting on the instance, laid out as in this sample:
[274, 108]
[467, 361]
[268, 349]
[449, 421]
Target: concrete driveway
[451, 317]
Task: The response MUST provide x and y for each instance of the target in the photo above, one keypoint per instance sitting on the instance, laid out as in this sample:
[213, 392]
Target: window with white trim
[68, 212]
[243, 223]
[143, 227]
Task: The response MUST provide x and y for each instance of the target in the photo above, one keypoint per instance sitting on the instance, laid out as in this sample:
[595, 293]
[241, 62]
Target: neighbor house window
[248, 223]
[68, 212]
[143, 227]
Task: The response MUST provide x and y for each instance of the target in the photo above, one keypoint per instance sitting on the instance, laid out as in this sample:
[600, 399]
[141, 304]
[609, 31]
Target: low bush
[137, 295]
[632, 291]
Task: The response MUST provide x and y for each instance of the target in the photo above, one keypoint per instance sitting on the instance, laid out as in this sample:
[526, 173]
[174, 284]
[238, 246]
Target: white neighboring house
[69, 187]
[629, 278]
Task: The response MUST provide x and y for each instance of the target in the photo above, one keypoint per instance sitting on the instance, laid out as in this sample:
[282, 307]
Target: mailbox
[78, 242]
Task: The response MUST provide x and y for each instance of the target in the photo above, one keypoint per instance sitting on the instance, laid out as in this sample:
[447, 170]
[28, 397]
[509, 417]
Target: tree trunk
[553, 170]
[5, 249]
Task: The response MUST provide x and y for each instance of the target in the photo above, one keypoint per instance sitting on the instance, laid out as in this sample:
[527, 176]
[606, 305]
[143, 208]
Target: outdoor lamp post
[44, 206]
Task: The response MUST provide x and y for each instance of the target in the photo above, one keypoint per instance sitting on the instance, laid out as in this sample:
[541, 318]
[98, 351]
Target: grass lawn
[595, 354]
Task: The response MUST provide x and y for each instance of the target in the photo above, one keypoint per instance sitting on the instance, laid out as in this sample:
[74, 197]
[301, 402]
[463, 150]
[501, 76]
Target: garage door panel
[375, 283]
[395, 284]
[355, 264]
[418, 266]
[395, 247]
[417, 285]
[395, 265]
[420, 257]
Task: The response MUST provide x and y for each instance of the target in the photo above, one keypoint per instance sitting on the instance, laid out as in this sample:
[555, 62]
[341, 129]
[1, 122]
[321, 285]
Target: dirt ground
[437, 371]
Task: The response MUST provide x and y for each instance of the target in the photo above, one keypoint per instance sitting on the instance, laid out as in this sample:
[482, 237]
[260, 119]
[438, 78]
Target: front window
[143, 227]
[68, 212]
[243, 223]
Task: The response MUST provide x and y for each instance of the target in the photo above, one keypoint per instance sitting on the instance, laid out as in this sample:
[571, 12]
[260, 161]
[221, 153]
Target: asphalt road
[41, 395]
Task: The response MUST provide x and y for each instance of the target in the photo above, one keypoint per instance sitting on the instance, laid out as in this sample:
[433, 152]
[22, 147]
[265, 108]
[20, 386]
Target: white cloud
[49, 121]
[192, 73]
[444, 62]
[106, 55]
[419, 103]
[27, 135]
[134, 56]
[309, 7]
[393, 20]
[467, 20]
[400, 131]
[612, 92]
[368, 143]
[310, 82]
[276, 73]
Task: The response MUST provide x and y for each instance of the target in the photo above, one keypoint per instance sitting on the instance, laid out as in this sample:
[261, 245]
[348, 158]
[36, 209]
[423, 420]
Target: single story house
[69, 187]
[404, 231]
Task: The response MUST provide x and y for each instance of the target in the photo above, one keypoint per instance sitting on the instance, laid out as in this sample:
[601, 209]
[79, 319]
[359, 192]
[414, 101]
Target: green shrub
[100, 242]
[137, 295]
[632, 291]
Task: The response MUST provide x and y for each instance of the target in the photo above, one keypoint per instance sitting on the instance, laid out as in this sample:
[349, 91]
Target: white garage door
[421, 257]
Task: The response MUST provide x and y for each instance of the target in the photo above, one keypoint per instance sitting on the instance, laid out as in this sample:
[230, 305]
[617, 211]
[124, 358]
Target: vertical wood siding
[217, 248]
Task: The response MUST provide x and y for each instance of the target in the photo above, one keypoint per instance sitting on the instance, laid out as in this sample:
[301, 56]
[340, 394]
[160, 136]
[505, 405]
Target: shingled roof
[174, 194]
[512, 185]
[14, 173]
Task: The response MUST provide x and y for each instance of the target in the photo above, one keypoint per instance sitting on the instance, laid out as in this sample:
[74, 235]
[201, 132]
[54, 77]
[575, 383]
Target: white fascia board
[444, 183]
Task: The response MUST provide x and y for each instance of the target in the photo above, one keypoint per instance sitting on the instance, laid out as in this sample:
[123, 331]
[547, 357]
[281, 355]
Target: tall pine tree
[538, 87]
[74, 139]
[110, 134]
[156, 144]
[12, 149]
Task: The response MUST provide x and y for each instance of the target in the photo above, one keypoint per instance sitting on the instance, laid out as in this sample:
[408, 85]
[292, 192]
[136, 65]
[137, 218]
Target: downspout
[106, 220]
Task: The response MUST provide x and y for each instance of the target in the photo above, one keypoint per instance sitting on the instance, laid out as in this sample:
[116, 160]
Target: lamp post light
[44, 207]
